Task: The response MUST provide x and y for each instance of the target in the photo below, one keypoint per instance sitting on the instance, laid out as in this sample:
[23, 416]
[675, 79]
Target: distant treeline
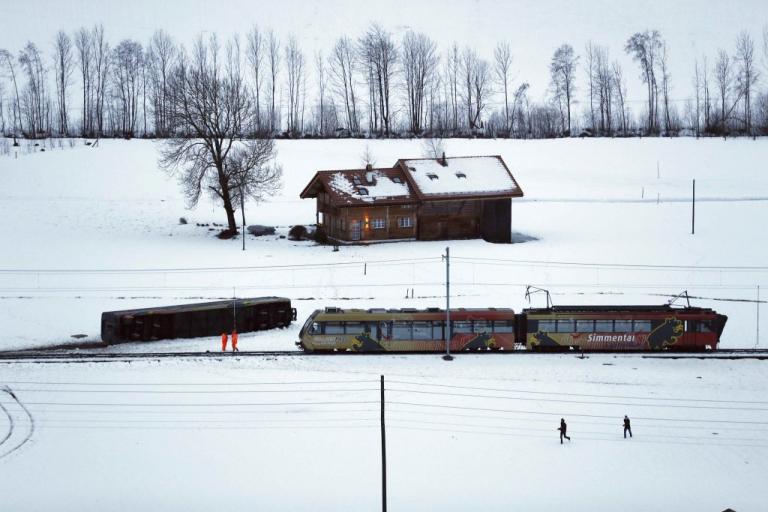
[377, 86]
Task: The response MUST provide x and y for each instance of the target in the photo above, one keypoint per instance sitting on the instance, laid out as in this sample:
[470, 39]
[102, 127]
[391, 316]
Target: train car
[196, 320]
[407, 330]
[620, 328]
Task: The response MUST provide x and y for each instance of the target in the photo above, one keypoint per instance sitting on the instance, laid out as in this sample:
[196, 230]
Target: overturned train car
[196, 320]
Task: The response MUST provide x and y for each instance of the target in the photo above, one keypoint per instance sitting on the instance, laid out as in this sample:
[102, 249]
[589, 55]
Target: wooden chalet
[417, 199]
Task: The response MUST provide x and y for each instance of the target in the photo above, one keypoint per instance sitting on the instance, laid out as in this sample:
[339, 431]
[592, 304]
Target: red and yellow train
[558, 328]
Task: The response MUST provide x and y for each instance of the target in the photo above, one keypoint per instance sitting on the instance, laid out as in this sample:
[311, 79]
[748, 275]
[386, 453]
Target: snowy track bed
[287, 433]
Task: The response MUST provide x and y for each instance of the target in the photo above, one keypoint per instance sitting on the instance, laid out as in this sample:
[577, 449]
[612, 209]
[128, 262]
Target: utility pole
[757, 332]
[693, 210]
[383, 454]
[242, 210]
[448, 356]
[234, 309]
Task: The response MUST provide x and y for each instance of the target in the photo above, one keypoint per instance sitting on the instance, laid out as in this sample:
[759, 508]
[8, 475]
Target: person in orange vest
[234, 341]
[223, 342]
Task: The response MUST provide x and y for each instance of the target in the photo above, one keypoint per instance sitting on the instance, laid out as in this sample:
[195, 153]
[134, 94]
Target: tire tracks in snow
[4, 450]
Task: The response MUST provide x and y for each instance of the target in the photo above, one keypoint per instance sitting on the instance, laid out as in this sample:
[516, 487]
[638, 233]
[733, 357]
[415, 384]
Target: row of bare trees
[382, 86]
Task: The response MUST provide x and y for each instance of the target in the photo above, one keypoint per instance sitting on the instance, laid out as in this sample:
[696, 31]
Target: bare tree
[502, 67]
[211, 108]
[273, 61]
[35, 101]
[342, 69]
[644, 48]
[454, 65]
[747, 74]
[294, 61]
[5, 56]
[433, 147]
[379, 55]
[322, 85]
[127, 64]
[254, 173]
[161, 57]
[256, 51]
[367, 158]
[665, 76]
[101, 61]
[621, 95]
[724, 78]
[62, 61]
[419, 63]
[562, 69]
[84, 47]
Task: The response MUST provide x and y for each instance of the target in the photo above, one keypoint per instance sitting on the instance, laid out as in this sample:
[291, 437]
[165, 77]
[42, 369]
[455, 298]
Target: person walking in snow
[627, 427]
[224, 339]
[234, 341]
[563, 430]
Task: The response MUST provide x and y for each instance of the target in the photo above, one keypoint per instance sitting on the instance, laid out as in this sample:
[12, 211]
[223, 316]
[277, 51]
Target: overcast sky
[534, 28]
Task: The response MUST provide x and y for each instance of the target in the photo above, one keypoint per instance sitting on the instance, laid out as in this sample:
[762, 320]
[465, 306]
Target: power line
[669, 406]
[182, 270]
[519, 411]
[480, 261]
[625, 397]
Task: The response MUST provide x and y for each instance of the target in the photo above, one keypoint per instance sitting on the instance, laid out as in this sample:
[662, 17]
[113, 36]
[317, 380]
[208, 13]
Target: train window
[603, 325]
[566, 326]
[437, 330]
[334, 328]
[547, 325]
[704, 327]
[315, 329]
[401, 330]
[482, 326]
[386, 330]
[422, 330]
[641, 326]
[622, 325]
[354, 328]
[462, 326]
[585, 325]
[502, 326]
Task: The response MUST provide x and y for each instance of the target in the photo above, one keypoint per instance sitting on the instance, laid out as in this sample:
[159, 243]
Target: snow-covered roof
[471, 177]
[362, 186]
[474, 175]
[380, 186]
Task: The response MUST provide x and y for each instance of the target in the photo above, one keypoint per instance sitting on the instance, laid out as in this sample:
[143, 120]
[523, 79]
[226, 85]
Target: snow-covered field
[87, 230]
[302, 434]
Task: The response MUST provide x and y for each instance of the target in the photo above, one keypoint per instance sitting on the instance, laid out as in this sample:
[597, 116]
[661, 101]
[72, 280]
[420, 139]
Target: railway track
[61, 356]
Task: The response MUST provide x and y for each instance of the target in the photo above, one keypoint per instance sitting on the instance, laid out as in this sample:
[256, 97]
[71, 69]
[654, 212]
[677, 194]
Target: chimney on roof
[369, 174]
[443, 161]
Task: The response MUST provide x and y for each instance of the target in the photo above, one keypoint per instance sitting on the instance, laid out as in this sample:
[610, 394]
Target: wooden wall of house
[441, 220]
[376, 222]
[496, 225]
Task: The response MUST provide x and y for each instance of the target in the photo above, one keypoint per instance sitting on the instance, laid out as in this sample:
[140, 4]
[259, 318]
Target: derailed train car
[407, 330]
[196, 320]
[587, 328]
[620, 328]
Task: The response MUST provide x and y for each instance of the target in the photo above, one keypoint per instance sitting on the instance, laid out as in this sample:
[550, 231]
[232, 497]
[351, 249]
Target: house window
[461, 175]
[378, 224]
[432, 176]
[396, 179]
[362, 191]
[404, 222]
[356, 180]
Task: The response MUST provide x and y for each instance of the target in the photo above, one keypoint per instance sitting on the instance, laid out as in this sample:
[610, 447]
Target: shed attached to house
[423, 198]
